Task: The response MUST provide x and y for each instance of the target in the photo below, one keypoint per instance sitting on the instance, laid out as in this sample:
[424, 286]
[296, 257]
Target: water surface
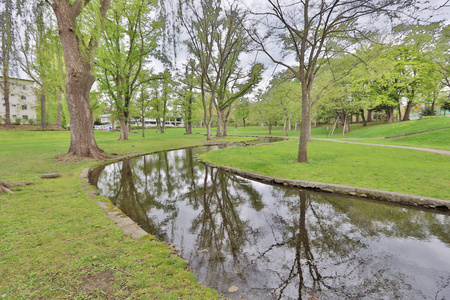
[274, 242]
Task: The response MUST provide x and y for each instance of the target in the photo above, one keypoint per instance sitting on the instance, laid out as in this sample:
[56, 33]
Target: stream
[275, 242]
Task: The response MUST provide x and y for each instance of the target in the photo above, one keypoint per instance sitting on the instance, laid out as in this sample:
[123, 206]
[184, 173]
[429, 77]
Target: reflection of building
[22, 101]
[177, 122]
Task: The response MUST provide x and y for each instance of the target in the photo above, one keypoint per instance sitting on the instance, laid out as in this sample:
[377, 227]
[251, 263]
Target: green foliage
[17, 121]
[188, 102]
[242, 110]
[128, 41]
[445, 106]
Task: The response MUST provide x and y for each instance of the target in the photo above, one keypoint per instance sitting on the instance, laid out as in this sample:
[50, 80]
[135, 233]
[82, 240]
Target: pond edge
[414, 200]
[128, 226]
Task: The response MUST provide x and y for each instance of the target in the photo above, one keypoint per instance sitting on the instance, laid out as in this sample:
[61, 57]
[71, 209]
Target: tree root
[71, 156]
[6, 186]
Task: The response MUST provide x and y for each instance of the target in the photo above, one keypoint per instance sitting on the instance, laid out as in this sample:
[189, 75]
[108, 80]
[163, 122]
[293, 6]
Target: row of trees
[378, 77]
[333, 60]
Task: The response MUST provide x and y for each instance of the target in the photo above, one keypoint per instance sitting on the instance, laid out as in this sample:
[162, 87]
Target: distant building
[106, 122]
[22, 101]
[105, 119]
[150, 122]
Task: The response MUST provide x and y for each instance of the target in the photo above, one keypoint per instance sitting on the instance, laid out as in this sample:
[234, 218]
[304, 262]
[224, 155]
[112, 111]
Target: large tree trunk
[43, 121]
[163, 123]
[302, 156]
[158, 123]
[6, 98]
[369, 115]
[208, 118]
[400, 111]
[79, 78]
[389, 114]
[357, 118]
[225, 127]
[270, 128]
[208, 131]
[58, 117]
[82, 140]
[243, 120]
[219, 132]
[188, 127]
[188, 124]
[123, 128]
[225, 122]
[407, 111]
[363, 118]
[286, 127]
[6, 49]
[346, 127]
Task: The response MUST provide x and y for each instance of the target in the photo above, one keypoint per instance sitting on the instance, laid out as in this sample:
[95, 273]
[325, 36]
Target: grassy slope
[384, 130]
[439, 139]
[374, 130]
[56, 243]
[357, 130]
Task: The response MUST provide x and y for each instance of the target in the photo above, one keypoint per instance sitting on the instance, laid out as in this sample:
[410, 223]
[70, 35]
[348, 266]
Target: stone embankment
[407, 199]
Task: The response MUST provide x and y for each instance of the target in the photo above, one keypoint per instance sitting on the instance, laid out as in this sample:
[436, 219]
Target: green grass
[56, 243]
[439, 139]
[398, 170]
[374, 130]
[384, 130]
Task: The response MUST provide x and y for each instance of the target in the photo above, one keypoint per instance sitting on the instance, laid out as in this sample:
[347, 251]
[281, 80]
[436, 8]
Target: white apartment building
[149, 122]
[22, 100]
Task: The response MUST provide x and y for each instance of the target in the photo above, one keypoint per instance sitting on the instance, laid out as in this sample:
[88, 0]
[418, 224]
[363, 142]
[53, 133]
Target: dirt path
[437, 151]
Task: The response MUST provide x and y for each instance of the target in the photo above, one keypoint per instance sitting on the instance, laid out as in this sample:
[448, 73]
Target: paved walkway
[437, 151]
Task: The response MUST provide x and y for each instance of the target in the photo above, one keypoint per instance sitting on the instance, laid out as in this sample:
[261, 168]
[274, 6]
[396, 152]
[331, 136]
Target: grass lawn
[357, 131]
[399, 170]
[55, 243]
[439, 139]
[373, 130]
[377, 130]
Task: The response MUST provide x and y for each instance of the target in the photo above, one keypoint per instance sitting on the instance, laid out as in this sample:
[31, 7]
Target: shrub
[427, 112]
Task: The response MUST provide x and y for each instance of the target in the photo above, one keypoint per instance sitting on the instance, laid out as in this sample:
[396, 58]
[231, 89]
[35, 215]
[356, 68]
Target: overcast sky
[443, 13]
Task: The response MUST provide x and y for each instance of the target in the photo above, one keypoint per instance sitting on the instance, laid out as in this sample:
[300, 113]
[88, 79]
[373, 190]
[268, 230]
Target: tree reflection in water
[280, 243]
